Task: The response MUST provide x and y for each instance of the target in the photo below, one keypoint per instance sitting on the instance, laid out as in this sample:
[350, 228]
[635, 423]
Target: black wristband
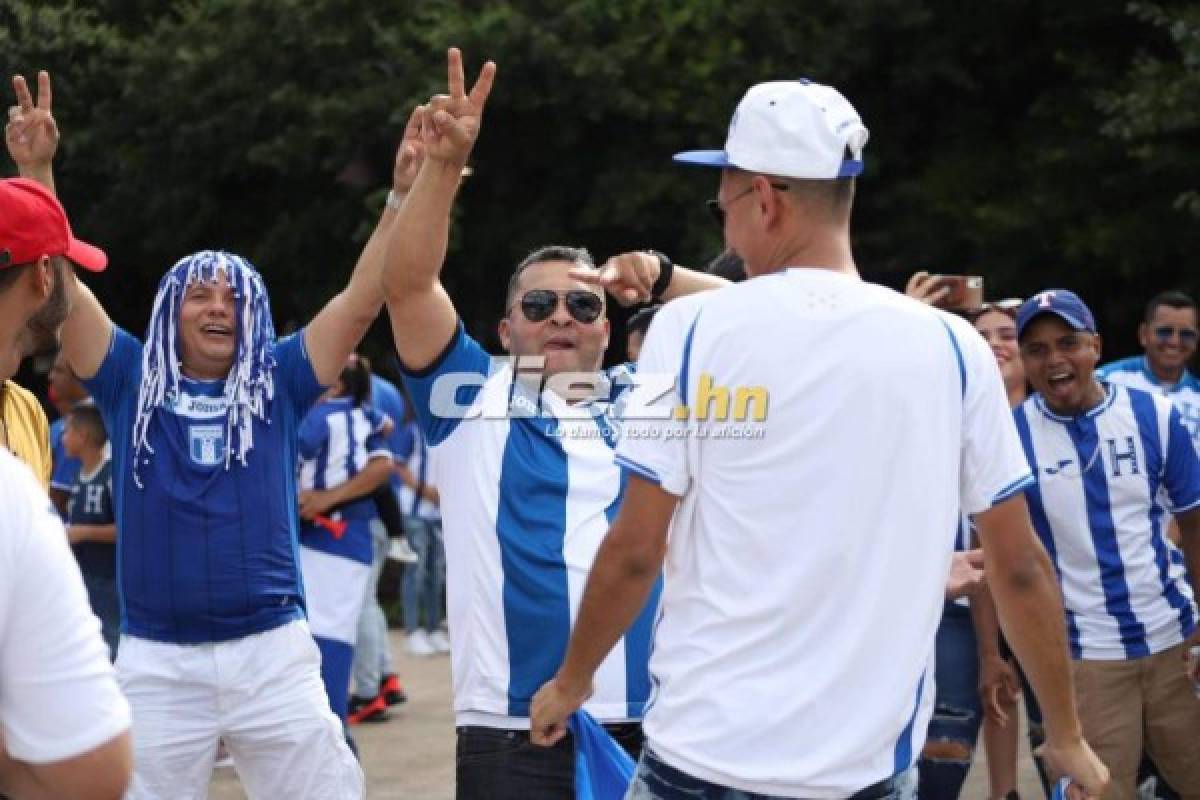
[666, 269]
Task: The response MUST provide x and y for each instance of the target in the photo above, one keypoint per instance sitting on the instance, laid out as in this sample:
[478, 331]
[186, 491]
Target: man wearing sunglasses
[527, 492]
[885, 417]
[1168, 335]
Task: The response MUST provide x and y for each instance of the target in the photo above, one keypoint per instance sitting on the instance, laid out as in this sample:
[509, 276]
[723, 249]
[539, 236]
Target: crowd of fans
[231, 499]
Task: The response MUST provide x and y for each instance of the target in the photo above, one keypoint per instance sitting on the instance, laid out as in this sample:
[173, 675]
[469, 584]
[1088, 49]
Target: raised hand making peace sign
[450, 123]
[31, 133]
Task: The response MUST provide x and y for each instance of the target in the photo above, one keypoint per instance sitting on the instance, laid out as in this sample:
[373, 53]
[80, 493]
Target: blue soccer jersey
[65, 469]
[386, 399]
[1106, 480]
[527, 498]
[337, 439]
[207, 550]
[1135, 373]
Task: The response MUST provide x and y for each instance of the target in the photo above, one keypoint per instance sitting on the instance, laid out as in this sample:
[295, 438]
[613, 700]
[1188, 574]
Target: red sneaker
[391, 690]
[367, 710]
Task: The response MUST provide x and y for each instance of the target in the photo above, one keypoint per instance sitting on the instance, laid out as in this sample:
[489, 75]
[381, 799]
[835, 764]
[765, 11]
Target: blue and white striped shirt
[1135, 373]
[1106, 480]
[526, 501]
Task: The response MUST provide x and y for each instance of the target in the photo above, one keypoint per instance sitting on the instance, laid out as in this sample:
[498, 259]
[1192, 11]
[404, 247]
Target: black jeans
[499, 764]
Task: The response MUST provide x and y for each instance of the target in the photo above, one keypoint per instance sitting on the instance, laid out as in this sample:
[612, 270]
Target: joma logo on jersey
[207, 444]
[1122, 460]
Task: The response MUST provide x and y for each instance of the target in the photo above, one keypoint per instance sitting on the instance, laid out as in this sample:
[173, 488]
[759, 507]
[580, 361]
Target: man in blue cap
[1110, 463]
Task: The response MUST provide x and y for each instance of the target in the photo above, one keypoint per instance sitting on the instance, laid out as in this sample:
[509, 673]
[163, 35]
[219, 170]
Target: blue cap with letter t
[1062, 303]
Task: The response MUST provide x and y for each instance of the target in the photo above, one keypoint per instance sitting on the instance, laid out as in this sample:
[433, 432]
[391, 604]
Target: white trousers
[262, 694]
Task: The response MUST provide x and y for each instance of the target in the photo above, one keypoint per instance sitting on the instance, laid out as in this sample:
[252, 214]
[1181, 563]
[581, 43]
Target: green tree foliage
[1037, 143]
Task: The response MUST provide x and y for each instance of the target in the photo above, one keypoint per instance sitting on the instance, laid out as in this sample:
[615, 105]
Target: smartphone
[966, 292]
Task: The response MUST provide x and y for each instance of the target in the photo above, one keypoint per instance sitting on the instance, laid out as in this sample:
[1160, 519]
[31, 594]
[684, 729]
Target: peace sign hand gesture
[31, 133]
[450, 123]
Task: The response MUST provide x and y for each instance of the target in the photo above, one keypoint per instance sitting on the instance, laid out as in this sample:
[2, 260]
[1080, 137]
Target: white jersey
[1135, 373]
[807, 562]
[58, 693]
[1105, 480]
[526, 498]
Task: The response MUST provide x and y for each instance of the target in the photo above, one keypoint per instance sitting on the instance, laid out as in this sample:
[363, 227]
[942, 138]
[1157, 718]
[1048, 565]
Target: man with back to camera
[527, 496]
[766, 684]
[203, 418]
[1110, 463]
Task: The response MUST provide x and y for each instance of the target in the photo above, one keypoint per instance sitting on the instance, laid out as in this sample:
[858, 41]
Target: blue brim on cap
[719, 158]
[704, 158]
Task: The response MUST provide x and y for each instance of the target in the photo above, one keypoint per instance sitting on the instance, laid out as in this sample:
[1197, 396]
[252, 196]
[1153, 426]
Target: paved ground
[411, 756]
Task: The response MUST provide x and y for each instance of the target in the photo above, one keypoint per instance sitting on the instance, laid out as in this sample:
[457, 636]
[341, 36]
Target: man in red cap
[35, 244]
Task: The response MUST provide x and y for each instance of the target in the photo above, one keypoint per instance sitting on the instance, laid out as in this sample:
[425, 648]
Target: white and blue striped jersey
[1106, 480]
[526, 500]
[335, 441]
[415, 454]
[1135, 373]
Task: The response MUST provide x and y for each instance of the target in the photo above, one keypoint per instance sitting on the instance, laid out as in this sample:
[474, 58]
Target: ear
[607, 331]
[1144, 335]
[505, 334]
[42, 277]
[770, 201]
[1098, 344]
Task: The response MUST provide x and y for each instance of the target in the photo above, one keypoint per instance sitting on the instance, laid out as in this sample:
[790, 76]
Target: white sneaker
[418, 644]
[439, 641]
[400, 550]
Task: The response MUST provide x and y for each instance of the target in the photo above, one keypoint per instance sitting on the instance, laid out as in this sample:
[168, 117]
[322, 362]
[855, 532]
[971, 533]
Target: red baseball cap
[33, 224]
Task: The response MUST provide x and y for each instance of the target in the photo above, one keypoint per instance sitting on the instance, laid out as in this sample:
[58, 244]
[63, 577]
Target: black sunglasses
[1186, 335]
[718, 213]
[585, 307]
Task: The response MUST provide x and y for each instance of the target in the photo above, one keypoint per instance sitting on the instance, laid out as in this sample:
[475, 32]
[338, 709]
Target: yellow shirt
[25, 429]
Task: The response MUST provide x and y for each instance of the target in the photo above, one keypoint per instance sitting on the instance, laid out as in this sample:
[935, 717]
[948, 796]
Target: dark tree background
[1037, 143]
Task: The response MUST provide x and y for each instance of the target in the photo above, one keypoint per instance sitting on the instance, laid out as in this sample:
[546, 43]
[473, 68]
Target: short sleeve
[294, 373]
[654, 445]
[443, 392]
[58, 692]
[1182, 469]
[377, 446]
[993, 465]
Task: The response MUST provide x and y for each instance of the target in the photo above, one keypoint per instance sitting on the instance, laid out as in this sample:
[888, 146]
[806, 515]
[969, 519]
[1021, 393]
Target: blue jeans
[423, 581]
[957, 712]
[655, 780]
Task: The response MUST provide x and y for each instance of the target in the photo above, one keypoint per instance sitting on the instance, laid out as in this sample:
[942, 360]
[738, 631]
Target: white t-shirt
[58, 693]
[807, 562]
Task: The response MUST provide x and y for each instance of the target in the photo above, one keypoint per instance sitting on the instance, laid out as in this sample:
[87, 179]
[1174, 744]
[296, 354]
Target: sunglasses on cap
[584, 307]
[1166, 332]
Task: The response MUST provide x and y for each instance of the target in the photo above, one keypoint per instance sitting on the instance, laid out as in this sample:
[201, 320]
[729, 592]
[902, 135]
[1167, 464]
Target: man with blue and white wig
[203, 419]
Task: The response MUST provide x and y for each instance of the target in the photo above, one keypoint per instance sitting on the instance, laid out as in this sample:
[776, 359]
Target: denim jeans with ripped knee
[957, 713]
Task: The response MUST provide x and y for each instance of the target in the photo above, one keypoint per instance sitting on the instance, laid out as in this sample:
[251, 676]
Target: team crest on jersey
[207, 444]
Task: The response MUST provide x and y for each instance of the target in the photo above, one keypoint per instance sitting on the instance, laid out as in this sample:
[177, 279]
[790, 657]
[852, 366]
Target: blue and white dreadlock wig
[250, 385]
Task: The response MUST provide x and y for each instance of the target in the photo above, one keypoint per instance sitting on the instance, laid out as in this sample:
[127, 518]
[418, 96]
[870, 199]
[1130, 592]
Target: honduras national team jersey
[1135, 373]
[526, 500]
[206, 553]
[337, 439]
[1105, 480]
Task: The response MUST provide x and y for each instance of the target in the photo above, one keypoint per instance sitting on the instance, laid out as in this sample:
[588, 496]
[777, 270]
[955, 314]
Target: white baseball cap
[793, 129]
